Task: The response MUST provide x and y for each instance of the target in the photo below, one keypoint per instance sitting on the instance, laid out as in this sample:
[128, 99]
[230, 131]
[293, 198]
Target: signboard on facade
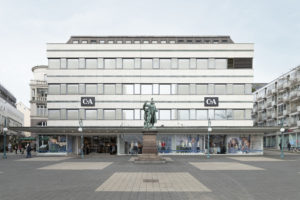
[87, 101]
[211, 101]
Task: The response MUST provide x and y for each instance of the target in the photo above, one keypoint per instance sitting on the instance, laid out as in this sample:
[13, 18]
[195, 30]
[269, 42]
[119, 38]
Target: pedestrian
[289, 146]
[28, 149]
[280, 145]
[9, 147]
[16, 149]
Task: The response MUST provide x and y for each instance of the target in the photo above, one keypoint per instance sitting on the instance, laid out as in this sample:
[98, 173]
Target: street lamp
[81, 131]
[209, 129]
[5, 129]
[282, 131]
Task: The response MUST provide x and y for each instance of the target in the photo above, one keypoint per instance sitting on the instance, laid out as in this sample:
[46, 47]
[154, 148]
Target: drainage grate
[150, 180]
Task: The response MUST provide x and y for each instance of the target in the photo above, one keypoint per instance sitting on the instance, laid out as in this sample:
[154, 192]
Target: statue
[149, 114]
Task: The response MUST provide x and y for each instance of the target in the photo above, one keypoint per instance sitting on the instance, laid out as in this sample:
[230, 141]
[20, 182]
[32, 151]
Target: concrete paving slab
[44, 159]
[219, 166]
[77, 166]
[256, 159]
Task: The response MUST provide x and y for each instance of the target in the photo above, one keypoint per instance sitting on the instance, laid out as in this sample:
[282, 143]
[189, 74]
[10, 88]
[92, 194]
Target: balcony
[269, 92]
[298, 123]
[294, 95]
[273, 91]
[269, 115]
[274, 115]
[280, 86]
[285, 112]
[38, 83]
[38, 100]
[269, 104]
[280, 100]
[286, 85]
[285, 98]
[273, 103]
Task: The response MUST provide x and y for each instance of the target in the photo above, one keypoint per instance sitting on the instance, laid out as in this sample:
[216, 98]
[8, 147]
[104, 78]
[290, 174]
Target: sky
[26, 27]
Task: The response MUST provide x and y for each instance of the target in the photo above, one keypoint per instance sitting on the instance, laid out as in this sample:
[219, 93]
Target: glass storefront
[52, 144]
[131, 144]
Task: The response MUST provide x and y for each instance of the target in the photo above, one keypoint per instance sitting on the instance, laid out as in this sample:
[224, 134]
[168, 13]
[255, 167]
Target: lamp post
[5, 129]
[81, 131]
[282, 131]
[209, 129]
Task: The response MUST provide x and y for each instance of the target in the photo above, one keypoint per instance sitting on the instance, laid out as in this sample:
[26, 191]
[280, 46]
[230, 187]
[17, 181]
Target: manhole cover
[150, 180]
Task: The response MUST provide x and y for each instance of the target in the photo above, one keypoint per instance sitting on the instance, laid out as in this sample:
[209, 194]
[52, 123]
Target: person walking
[16, 149]
[289, 146]
[28, 149]
[9, 147]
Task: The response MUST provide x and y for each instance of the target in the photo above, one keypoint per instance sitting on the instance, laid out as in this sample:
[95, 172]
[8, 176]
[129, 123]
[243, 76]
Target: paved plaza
[186, 177]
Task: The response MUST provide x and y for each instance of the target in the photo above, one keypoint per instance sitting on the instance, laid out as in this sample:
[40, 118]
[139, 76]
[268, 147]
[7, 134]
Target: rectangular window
[72, 114]
[146, 63]
[165, 89]
[238, 114]
[229, 114]
[211, 114]
[109, 114]
[220, 114]
[128, 63]
[137, 114]
[109, 63]
[183, 114]
[128, 89]
[146, 89]
[54, 63]
[91, 89]
[192, 114]
[72, 89]
[183, 63]
[91, 63]
[221, 63]
[90, 114]
[201, 89]
[128, 114]
[155, 88]
[137, 89]
[211, 63]
[54, 89]
[54, 114]
[238, 89]
[72, 63]
[220, 89]
[109, 88]
[183, 89]
[201, 114]
[164, 114]
[202, 63]
[165, 63]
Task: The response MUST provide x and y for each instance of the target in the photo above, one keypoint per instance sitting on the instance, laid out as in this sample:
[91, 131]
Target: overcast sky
[26, 27]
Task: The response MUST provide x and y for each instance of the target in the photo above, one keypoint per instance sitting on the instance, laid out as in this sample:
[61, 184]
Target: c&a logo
[211, 101]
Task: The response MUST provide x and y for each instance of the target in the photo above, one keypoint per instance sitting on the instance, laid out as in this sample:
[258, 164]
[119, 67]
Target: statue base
[149, 152]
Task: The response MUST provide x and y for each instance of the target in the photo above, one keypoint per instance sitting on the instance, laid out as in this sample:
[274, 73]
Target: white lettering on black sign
[87, 101]
[211, 101]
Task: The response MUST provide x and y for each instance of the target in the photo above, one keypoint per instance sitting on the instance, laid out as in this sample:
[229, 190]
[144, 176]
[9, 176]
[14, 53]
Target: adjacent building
[26, 113]
[278, 104]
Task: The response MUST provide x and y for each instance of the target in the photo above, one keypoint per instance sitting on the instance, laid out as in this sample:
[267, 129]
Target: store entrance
[100, 144]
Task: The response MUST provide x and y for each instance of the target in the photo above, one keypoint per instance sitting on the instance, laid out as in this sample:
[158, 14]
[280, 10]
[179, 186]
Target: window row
[162, 114]
[137, 63]
[127, 89]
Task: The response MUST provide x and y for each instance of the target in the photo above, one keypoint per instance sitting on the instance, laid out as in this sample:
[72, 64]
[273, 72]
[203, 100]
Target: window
[91, 63]
[163, 41]
[102, 42]
[110, 42]
[54, 114]
[229, 114]
[72, 114]
[137, 89]
[128, 114]
[183, 63]
[211, 63]
[183, 114]
[54, 89]
[183, 89]
[201, 89]
[128, 89]
[72, 89]
[211, 114]
[128, 63]
[84, 41]
[146, 42]
[91, 89]
[220, 89]
[146, 63]
[221, 63]
[137, 42]
[202, 63]
[109, 88]
[165, 63]
[109, 114]
[128, 42]
[72, 63]
[238, 114]
[93, 41]
[172, 41]
[54, 63]
[165, 89]
[137, 114]
[154, 42]
[146, 89]
[75, 41]
[201, 114]
[165, 114]
[119, 42]
[238, 89]
[220, 114]
[91, 114]
[110, 63]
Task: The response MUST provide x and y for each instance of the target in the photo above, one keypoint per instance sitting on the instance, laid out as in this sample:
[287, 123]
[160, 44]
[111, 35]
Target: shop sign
[211, 101]
[87, 101]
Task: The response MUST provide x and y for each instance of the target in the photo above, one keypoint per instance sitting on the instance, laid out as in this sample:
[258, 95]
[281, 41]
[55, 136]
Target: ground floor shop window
[244, 144]
[52, 144]
[131, 144]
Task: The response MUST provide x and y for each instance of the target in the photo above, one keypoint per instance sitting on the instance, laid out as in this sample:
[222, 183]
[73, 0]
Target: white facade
[26, 113]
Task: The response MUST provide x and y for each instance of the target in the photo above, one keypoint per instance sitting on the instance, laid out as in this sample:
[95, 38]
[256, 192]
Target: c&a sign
[87, 101]
[211, 101]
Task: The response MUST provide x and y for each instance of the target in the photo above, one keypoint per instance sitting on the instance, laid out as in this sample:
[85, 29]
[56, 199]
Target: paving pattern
[256, 159]
[152, 182]
[168, 159]
[43, 159]
[223, 166]
[77, 166]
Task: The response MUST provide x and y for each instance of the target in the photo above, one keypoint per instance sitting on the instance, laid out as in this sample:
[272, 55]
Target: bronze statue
[149, 114]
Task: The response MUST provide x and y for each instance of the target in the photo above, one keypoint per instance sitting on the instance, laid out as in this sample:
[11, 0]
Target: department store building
[193, 80]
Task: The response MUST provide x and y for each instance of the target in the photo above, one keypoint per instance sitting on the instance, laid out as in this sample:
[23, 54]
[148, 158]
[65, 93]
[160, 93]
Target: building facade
[105, 81]
[26, 113]
[10, 116]
[276, 104]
